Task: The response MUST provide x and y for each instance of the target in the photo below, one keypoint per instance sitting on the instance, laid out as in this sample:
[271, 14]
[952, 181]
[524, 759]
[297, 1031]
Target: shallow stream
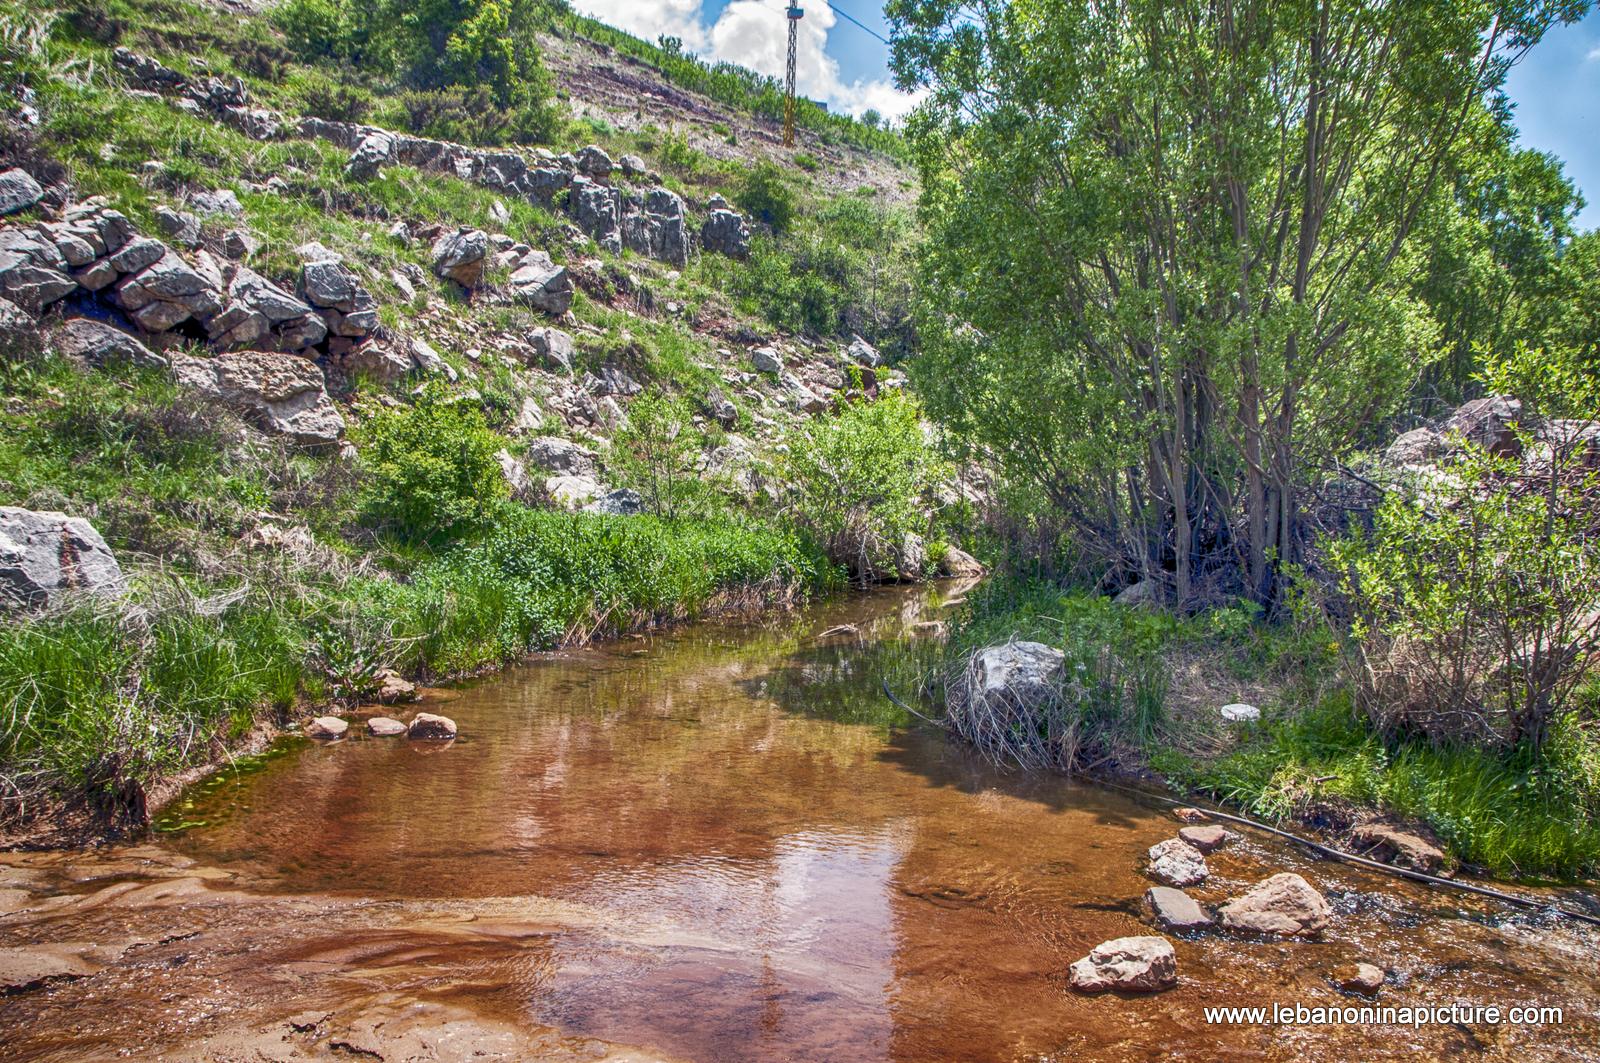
[716, 843]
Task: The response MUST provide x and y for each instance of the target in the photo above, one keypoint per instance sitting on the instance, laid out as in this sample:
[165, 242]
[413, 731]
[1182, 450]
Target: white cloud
[1594, 53]
[754, 34]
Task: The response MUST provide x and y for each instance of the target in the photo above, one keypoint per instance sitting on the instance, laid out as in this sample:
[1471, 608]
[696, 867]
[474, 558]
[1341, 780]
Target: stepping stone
[1175, 909]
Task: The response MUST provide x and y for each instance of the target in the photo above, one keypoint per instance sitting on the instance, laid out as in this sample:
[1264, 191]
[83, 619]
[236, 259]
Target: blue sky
[1556, 87]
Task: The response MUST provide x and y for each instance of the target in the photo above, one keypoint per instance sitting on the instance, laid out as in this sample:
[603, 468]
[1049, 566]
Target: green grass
[1515, 814]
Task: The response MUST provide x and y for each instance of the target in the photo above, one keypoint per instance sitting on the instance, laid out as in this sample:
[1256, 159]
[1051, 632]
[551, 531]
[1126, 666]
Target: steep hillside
[323, 397]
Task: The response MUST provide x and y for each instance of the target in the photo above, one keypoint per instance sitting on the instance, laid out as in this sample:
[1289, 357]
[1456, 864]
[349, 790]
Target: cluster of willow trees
[1183, 255]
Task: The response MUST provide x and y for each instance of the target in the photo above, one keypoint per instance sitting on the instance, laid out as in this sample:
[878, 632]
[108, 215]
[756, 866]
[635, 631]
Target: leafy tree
[1171, 247]
[656, 454]
[431, 473]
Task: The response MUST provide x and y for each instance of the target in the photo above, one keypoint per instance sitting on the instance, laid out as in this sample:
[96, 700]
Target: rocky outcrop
[347, 307]
[863, 353]
[283, 394]
[1132, 964]
[96, 343]
[461, 256]
[725, 231]
[18, 191]
[46, 555]
[1490, 423]
[540, 283]
[1285, 905]
[653, 226]
[562, 456]
[1175, 910]
[33, 271]
[1177, 863]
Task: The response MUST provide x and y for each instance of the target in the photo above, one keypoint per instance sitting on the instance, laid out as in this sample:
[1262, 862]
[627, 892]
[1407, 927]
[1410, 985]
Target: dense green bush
[431, 473]
[768, 197]
[656, 453]
[861, 480]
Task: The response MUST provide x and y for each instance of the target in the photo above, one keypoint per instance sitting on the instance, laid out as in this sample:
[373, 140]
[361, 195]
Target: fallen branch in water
[1318, 847]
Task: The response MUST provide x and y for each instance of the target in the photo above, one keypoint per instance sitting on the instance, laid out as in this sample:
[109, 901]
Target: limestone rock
[45, 555]
[145, 72]
[1399, 847]
[1204, 838]
[1416, 447]
[1177, 863]
[513, 472]
[619, 503]
[460, 256]
[240, 244]
[1131, 964]
[553, 348]
[1145, 592]
[1239, 712]
[18, 191]
[766, 360]
[1489, 423]
[558, 455]
[179, 226]
[1016, 673]
[376, 361]
[959, 564]
[1175, 910]
[33, 271]
[572, 492]
[283, 393]
[377, 149]
[425, 725]
[217, 201]
[863, 353]
[326, 727]
[384, 727]
[594, 162]
[727, 233]
[96, 343]
[540, 283]
[1285, 905]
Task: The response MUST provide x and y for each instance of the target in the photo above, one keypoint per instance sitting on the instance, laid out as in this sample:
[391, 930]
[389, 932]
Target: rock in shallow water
[384, 727]
[1363, 978]
[1398, 846]
[428, 726]
[1137, 964]
[1177, 863]
[1285, 905]
[326, 727]
[1206, 839]
[1175, 909]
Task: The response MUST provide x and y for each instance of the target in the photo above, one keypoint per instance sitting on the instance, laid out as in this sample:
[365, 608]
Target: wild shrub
[431, 473]
[657, 453]
[767, 197]
[1476, 596]
[860, 480]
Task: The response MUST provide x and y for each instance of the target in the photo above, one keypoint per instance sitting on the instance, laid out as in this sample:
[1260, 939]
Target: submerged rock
[1177, 863]
[1285, 904]
[1132, 964]
[425, 725]
[45, 555]
[1175, 909]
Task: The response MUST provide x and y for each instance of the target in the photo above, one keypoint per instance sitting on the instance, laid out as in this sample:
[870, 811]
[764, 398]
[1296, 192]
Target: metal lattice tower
[795, 15]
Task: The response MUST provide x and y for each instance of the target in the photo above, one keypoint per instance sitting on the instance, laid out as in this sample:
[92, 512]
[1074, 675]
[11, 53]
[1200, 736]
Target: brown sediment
[710, 844]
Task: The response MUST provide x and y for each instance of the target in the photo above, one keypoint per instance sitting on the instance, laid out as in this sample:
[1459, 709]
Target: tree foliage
[1172, 247]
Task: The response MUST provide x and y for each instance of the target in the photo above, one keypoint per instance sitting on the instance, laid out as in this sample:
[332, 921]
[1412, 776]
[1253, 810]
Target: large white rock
[1132, 964]
[45, 554]
[1177, 863]
[1025, 673]
[1284, 904]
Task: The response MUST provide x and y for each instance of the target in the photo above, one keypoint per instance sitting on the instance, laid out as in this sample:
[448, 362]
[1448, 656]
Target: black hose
[1328, 851]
